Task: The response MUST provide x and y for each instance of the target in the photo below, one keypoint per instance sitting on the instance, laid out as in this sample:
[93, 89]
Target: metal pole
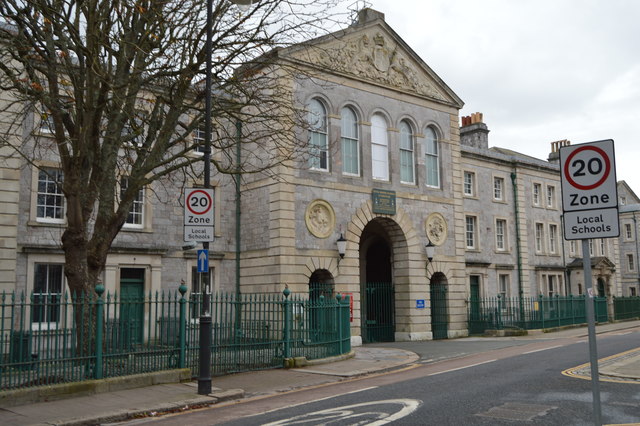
[593, 350]
[204, 378]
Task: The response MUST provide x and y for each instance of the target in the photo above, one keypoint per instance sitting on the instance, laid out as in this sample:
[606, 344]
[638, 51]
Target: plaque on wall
[384, 202]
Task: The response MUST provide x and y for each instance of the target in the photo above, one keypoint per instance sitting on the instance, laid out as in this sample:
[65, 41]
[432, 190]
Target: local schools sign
[198, 215]
[589, 190]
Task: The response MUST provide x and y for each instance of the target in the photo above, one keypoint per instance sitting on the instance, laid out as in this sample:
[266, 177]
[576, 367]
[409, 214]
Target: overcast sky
[539, 70]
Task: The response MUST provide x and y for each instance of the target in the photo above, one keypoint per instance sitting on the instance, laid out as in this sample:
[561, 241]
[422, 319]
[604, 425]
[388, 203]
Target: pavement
[122, 405]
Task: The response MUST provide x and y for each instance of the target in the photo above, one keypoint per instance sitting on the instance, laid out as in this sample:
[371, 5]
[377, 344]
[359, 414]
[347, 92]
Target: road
[491, 382]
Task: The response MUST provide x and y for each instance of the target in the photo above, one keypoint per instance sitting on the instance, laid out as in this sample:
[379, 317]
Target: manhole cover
[517, 411]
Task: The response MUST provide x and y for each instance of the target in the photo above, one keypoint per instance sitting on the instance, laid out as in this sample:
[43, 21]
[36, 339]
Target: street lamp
[431, 250]
[204, 377]
[342, 246]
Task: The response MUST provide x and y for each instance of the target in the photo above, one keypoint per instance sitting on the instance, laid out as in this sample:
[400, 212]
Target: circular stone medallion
[436, 228]
[320, 218]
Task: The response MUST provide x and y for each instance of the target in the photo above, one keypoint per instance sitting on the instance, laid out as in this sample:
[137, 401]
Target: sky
[538, 70]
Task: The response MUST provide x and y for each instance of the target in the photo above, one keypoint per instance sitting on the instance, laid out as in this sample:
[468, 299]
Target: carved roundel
[320, 218]
[436, 228]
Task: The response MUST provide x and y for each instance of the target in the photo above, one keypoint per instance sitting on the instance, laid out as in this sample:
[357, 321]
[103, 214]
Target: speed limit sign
[589, 190]
[198, 214]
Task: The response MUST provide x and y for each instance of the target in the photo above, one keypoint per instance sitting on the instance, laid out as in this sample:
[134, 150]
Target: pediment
[376, 54]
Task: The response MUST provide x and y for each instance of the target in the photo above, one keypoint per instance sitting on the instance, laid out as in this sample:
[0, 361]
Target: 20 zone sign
[198, 214]
[588, 176]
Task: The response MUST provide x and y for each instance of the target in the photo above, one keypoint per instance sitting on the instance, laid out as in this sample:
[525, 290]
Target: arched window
[350, 144]
[379, 148]
[432, 157]
[318, 146]
[407, 168]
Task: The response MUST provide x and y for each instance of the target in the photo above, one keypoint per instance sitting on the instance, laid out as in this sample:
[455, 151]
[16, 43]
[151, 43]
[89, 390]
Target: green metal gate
[439, 313]
[380, 316]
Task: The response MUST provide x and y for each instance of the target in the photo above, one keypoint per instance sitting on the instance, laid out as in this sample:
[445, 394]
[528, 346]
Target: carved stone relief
[320, 218]
[377, 60]
[436, 228]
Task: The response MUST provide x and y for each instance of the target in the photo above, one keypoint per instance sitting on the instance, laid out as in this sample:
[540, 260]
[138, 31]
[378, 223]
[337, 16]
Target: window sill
[56, 224]
[143, 230]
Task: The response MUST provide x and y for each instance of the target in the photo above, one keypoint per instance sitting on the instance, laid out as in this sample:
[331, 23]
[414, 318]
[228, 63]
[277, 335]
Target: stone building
[389, 170]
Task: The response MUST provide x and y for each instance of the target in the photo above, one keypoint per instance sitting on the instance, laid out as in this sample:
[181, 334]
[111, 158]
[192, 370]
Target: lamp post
[204, 377]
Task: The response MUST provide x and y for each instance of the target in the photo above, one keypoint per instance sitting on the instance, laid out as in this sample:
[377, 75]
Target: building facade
[389, 169]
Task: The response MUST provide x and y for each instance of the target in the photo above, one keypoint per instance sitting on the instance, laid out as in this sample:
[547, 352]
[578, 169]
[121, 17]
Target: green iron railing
[48, 339]
[528, 313]
[626, 307]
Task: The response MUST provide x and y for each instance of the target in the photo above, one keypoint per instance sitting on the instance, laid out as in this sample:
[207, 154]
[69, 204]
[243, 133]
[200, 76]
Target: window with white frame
[498, 189]
[407, 163]
[197, 137]
[539, 237]
[572, 247]
[318, 136]
[469, 184]
[503, 285]
[590, 247]
[628, 234]
[553, 238]
[537, 194]
[633, 292]
[470, 231]
[501, 234]
[135, 218]
[603, 247]
[50, 199]
[350, 142]
[631, 264]
[379, 148]
[551, 196]
[432, 157]
[47, 293]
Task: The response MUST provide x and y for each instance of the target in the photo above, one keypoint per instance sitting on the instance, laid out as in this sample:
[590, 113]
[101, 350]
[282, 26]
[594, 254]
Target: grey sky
[539, 70]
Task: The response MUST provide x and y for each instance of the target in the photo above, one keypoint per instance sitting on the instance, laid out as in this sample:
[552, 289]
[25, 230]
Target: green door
[476, 325]
[131, 307]
[439, 312]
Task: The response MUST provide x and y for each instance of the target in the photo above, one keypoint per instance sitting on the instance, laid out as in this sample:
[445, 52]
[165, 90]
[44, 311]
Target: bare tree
[111, 88]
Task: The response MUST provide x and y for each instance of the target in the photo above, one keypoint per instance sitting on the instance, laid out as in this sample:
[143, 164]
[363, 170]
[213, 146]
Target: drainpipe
[567, 276]
[237, 176]
[238, 208]
[635, 234]
[518, 248]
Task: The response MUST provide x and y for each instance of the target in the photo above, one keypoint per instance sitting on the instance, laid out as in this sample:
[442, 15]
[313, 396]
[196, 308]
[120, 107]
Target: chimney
[554, 155]
[473, 132]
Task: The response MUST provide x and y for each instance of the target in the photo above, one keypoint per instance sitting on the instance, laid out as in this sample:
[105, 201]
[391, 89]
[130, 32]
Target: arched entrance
[376, 272]
[321, 283]
[439, 311]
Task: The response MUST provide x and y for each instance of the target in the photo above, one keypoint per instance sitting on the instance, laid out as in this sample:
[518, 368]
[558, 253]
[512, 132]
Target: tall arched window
[318, 146]
[407, 168]
[432, 157]
[350, 144]
[379, 148]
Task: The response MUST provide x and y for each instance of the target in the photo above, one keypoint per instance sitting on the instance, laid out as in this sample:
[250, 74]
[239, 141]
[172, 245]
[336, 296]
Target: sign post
[590, 210]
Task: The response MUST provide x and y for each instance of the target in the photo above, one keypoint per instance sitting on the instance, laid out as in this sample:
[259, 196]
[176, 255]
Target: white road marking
[462, 368]
[321, 399]
[544, 349]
